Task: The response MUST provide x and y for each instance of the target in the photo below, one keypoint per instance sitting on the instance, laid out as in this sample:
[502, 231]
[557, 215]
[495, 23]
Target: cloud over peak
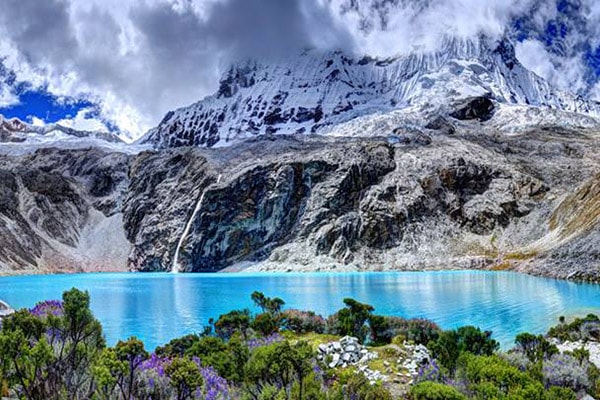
[138, 59]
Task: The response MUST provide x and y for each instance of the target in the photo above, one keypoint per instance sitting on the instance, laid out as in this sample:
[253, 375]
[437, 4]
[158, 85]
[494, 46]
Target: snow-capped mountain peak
[14, 130]
[314, 92]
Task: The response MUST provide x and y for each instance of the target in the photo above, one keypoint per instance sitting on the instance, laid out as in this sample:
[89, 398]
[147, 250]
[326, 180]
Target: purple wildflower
[264, 341]
[48, 308]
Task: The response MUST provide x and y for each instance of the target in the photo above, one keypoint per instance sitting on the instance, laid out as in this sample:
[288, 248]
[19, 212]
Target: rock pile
[347, 351]
[418, 355]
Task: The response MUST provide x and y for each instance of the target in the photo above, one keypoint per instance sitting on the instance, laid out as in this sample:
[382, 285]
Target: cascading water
[186, 231]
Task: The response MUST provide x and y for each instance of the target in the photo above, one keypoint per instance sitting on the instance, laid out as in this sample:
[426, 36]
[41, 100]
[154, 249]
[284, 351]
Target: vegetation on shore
[57, 351]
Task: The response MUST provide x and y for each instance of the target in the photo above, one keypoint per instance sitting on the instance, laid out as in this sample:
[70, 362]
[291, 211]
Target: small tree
[185, 377]
[467, 339]
[351, 320]
[48, 350]
[278, 365]
[265, 324]
[232, 322]
[118, 367]
[271, 305]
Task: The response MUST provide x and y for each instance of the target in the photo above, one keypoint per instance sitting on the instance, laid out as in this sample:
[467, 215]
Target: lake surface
[158, 307]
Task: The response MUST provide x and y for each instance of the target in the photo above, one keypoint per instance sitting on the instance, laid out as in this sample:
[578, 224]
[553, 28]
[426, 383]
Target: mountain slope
[314, 92]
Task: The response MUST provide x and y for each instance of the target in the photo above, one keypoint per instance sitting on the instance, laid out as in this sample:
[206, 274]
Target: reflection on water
[159, 307]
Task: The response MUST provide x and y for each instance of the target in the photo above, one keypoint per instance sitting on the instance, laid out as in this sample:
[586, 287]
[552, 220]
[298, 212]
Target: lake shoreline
[186, 301]
[279, 268]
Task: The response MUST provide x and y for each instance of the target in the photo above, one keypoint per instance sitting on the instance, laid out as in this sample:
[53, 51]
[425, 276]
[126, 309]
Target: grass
[521, 255]
[578, 212]
[312, 338]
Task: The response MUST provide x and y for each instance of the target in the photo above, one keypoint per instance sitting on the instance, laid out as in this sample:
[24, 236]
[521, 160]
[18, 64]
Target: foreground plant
[47, 352]
[56, 351]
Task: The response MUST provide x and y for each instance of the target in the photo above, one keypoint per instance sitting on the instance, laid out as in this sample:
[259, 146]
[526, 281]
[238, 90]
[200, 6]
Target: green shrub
[279, 365]
[185, 377]
[558, 393]
[448, 347]
[234, 321]
[178, 346]
[491, 377]
[434, 391]
[48, 351]
[227, 358]
[580, 329]
[265, 324]
[536, 348]
[351, 320]
[417, 330]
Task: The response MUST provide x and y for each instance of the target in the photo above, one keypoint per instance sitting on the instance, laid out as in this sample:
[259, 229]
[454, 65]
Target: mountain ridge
[314, 92]
[15, 130]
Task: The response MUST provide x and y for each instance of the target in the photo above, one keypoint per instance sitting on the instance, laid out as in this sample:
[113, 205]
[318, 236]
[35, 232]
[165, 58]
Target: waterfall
[186, 230]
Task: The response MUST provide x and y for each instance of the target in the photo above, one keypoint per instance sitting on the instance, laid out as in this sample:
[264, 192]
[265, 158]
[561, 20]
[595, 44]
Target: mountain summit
[314, 92]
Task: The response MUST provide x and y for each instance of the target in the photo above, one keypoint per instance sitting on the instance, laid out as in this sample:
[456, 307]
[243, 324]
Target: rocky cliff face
[466, 197]
[60, 210]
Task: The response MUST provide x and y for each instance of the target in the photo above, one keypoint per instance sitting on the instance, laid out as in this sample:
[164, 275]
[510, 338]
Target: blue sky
[44, 106]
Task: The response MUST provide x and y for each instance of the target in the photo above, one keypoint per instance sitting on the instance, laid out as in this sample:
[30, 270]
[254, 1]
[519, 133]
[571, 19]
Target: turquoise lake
[158, 307]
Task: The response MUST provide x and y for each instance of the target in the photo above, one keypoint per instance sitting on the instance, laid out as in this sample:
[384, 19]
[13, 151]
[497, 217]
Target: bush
[117, 368]
[556, 393]
[566, 371]
[434, 391]
[185, 377]
[536, 348]
[227, 358]
[234, 321]
[265, 324]
[491, 377]
[298, 321]
[178, 346]
[580, 329]
[467, 339]
[517, 359]
[351, 320]
[279, 365]
[50, 348]
[417, 330]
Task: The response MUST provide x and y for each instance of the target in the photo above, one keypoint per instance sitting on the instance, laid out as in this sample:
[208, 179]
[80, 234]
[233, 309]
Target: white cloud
[83, 121]
[391, 27]
[595, 92]
[139, 59]
[536, 58]
[35, 121]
